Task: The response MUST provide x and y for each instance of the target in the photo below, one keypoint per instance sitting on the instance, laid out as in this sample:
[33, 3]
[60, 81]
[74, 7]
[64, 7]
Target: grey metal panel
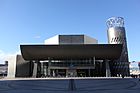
[64, 39]
[22, 67]
[71, 39]
[77, 39]
[81, 51]
[116, 35]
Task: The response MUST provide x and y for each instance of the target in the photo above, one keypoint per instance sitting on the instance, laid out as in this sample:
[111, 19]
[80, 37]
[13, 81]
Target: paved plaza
[70, 85]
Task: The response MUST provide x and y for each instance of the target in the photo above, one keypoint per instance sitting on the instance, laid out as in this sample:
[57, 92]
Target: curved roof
[81, 51]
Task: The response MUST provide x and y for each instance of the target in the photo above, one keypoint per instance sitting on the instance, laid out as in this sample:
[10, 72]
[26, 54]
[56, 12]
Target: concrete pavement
[64, 85]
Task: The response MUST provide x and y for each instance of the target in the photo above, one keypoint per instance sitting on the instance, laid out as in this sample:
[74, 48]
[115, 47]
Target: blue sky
[33, 21]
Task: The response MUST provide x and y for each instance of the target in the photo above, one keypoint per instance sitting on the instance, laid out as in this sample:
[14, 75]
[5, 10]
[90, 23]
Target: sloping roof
[80, 51]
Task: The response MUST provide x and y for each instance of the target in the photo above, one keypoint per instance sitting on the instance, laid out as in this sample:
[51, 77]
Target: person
[122, 75]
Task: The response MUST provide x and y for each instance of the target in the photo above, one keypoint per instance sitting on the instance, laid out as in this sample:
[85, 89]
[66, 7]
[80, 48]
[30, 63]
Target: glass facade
[71, 68]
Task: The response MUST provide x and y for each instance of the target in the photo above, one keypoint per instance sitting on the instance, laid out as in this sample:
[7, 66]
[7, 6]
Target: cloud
[37, 37]
[130, 66]
[4, 56]
[133, 65]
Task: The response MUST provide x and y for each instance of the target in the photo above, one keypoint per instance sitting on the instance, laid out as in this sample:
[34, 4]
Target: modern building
[134, 68]
[71, 56]
[3, 69]
[116, 35]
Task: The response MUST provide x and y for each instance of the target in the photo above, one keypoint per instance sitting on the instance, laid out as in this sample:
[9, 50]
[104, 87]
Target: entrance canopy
[62, 52]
